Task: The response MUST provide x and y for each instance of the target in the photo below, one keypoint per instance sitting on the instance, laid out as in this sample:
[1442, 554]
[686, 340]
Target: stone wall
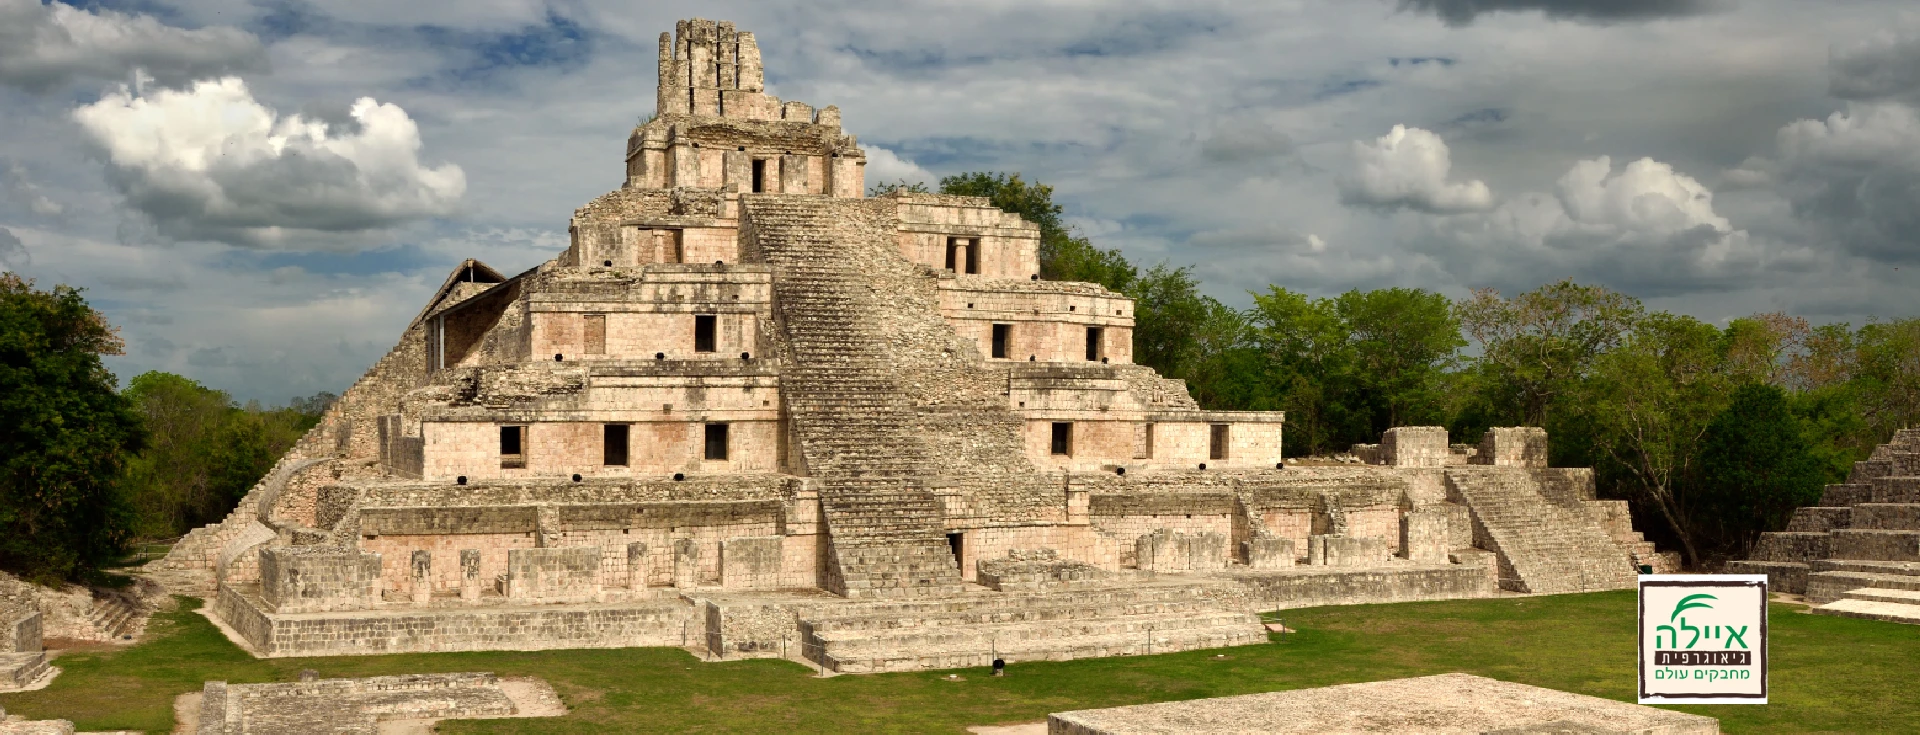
[751, 562]
[318, 578]
[1513, 446]
[1314, 587]
[1415, 446]
[566, 574]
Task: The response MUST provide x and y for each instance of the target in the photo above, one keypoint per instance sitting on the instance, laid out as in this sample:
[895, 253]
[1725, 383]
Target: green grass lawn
[1829, 674]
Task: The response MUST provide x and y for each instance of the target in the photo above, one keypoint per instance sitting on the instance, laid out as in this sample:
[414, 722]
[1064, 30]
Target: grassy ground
[1829, 674]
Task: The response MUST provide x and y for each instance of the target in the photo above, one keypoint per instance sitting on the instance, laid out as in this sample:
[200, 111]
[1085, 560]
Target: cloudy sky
[261, 193]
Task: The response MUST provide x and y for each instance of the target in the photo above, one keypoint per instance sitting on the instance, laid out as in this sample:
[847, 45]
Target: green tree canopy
[1754, 469]
[65, 434]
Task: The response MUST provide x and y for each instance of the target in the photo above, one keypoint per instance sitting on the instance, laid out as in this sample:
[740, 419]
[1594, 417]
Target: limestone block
[318, 578]
[421, 587]
[1426, 535]
[686, 563]
[1035, 569]
[636, 566]
[470, 574]
[1267, 551]
[567, 574]
[1167, 550]
[828, 116]
[750, 562]
[1513, 446]
[793, 171]
[1415, 446]
[22, 629]
[1346, 551]
[797, 112]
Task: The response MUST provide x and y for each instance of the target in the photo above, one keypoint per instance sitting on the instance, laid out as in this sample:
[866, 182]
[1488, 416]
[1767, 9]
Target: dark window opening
[1144, 448]
[703, 332]
[759, 175]
[957, 541]
[1217, 443]
[1002, 333]
[953, 253]
[973, 255]
[513, 447]
[1063, 437]
[614, 453]
[1095, 338]
[716, 441]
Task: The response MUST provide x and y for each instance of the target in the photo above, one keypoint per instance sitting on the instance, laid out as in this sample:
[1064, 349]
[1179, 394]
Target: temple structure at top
[752, 403]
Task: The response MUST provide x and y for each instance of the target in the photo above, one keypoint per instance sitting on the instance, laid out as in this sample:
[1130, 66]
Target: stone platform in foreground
[1447, 703]
[1132, 614]
[368, 706]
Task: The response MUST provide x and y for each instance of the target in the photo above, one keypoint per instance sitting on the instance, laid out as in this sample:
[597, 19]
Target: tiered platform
[1857, 554]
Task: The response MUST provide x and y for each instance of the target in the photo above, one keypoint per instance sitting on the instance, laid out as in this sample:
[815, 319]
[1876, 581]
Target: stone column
[422, 576]
[470, 575]
[637, 566]
[686, 563]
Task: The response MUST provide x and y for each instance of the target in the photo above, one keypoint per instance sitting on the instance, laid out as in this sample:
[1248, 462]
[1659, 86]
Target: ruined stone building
[1857, 553]
[751, 410]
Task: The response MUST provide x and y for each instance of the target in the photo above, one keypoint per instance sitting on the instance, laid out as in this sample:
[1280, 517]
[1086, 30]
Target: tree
[205, 452]
[1063, 256]
[1650, 402]
[65, 434]
[1754, 469]
[1310, 350]
[1404, 341]
[1540, 345]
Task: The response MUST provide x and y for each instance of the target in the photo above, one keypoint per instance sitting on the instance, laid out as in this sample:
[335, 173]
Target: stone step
[1876, 594]
[1875, 544]
[1905, 489]
[1792, 546]
[981, 653]
[1824, 587]
[1004, 615]
[1891, 612]
[1886, 516]
[1819, 519]
[1782, 576]
[1846, 495]
[951, 636]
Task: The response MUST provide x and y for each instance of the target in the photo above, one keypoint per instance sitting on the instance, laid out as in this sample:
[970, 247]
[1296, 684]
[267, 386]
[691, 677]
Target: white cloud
[43, 46]
[1407, 169]
[1645, 227]
[1856, 177]
[211, 163]
[886, 167]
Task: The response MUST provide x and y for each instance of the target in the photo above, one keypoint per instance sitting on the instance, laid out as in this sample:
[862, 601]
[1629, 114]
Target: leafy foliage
[206, 452]
[65, 434]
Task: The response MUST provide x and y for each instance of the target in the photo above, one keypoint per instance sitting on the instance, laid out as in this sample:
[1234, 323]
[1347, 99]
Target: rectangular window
[1143, 442]
[1002, 334]
[759, 175]
[716, 441]
[596, 333]
[953, 253]
[704, 326]
[1063, 438]
[1095, 338]
[1217, 442]
[973, 254]
[513, 447]
[614, 447]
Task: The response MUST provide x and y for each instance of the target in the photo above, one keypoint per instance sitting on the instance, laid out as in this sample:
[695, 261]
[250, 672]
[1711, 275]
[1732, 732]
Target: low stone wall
[1311, 587]
[653, 622]
[316, 578]
[749, 630]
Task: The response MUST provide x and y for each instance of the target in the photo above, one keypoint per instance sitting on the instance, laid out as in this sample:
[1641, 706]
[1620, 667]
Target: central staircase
[846, 402]
[1543, 547]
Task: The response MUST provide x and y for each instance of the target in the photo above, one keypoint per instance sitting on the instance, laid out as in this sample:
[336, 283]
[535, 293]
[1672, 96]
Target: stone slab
[1447, 703]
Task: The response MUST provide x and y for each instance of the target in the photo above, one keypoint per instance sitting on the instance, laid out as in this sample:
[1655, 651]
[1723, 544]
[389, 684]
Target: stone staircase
[116, 616]
[1858, 552]
[1047, 626]
[1542, 546]
[847, 405]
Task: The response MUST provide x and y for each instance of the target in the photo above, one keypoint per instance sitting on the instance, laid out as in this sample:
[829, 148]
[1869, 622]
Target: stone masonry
[750, 409]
